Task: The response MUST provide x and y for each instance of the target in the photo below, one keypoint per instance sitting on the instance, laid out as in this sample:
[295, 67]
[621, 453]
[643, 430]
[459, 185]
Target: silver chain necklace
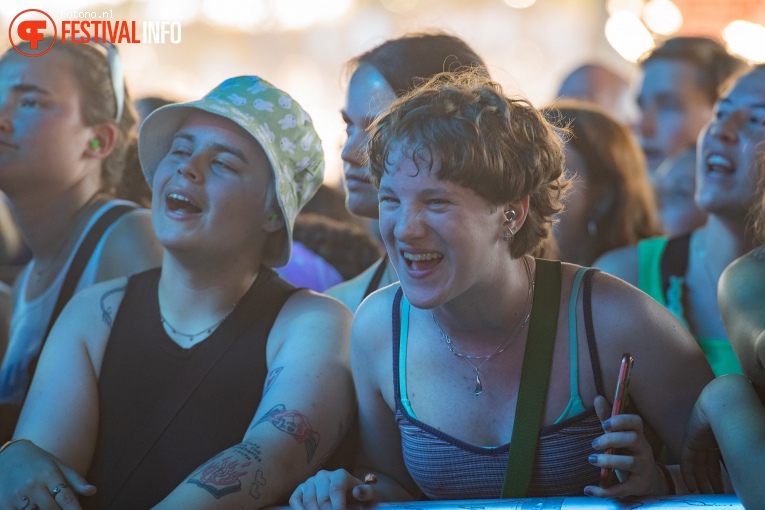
[208, 330]
[507, 342]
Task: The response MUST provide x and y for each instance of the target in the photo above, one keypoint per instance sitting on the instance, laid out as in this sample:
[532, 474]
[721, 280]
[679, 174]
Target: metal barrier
[728, 502]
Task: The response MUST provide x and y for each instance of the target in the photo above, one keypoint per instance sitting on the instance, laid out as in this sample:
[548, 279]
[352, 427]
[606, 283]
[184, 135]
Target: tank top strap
[590, 331]
[376, 277]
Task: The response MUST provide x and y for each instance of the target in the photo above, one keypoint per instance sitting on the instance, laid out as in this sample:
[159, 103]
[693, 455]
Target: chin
[362, 206]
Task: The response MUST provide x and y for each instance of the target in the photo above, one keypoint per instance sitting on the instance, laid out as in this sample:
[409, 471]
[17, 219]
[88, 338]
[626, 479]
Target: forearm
[251, 474]
[737, 418]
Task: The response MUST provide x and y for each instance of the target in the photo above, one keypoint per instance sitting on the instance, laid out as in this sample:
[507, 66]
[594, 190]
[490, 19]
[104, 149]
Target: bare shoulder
[372, 322]
[350, 293]
[742, 284]
[626, 318]
[88, 318]
[130, 246]
[621, 262]
[312, 322]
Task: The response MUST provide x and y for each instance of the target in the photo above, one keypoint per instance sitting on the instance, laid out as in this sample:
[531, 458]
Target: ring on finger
[58, 488]
[25, 501]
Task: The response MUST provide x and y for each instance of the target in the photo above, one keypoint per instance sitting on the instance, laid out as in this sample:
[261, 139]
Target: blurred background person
[611, 202]
[598, 84]
[378, 77]
[674, 183]
[683, 272]
[682, 79]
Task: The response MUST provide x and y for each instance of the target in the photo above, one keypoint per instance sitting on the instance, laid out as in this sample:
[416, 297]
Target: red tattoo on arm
[294, 424]
[220, 477]
[272, 375]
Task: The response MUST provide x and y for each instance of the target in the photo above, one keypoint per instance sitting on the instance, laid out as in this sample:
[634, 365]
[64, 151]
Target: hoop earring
[509, 216]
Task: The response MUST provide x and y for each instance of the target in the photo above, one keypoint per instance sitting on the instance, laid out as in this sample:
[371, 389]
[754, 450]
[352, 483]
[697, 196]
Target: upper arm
[60, 413]
[371, 362]
[130, 247]
[622, 263]
[670, 370]
[308, 402]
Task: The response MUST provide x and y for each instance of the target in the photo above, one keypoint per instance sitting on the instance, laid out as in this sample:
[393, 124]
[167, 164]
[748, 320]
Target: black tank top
[164, 410]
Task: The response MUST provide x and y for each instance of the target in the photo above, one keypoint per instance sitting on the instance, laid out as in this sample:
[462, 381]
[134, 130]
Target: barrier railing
[728, 502]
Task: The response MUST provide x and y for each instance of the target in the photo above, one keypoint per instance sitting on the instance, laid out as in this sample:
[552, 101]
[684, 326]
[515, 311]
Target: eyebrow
[28, 87]
[220, 147]
[367, 120]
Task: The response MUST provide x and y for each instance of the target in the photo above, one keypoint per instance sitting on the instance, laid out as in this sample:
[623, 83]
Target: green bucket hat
[275, 120]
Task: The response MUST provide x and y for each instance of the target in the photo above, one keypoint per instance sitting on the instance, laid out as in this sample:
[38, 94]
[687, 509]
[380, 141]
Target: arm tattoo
[294, 424]
[272, 375]
[106, 311]
[221, 474]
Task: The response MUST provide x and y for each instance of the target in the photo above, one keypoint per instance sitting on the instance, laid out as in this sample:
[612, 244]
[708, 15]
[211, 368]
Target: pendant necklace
[507, 342]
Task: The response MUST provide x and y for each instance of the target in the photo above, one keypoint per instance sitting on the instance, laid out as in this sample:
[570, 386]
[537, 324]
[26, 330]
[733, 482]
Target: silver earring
[509, 216]
[509, 235]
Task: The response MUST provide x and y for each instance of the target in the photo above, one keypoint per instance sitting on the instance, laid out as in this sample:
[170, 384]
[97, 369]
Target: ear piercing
[509, 215]
[94, 143]
[273, 217]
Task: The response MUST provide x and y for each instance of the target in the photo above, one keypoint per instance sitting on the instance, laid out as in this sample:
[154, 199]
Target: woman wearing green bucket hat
[209, 382]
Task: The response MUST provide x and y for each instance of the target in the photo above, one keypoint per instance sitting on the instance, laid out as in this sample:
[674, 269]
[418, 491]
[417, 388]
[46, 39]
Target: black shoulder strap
[674, 260]
[9, 413]
[77, 267]
[377, 277]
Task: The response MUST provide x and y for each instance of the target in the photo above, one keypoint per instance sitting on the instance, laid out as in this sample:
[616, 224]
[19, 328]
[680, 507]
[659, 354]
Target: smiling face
[210, 190]
[444, 239]
[368, 95]
[673, 109]
[43, 140]
[727, 169]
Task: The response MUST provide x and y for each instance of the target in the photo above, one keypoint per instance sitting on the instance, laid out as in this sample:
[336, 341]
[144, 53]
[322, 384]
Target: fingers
[602, 408]
[327, 491]
[65, 497]
[75, 482]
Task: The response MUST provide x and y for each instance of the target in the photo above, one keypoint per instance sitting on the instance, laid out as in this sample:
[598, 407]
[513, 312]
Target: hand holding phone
[620, 400]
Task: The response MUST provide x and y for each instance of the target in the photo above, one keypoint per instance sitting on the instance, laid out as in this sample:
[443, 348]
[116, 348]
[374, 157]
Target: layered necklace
[507, 342]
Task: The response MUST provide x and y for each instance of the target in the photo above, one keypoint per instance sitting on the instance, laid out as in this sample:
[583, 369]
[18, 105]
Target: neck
[46, 220]
[191, 294]
[490, 310]
[723, 241]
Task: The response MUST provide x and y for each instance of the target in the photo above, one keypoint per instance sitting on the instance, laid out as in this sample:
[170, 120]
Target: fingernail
[593, 459]
[607, 425]
[595, 443]
[588, 491]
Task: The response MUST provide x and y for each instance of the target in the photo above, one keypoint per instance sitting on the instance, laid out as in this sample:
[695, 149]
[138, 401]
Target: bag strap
[535, 377]
[77, 267]
[674, 260]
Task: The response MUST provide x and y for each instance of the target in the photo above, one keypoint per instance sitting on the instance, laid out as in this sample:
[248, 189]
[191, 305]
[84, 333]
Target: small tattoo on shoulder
[106, 310]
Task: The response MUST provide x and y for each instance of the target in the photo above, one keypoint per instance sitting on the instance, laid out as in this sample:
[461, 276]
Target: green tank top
[718, 351]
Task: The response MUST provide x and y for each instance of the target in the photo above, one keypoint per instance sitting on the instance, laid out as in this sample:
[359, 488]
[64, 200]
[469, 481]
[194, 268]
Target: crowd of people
[485, 267]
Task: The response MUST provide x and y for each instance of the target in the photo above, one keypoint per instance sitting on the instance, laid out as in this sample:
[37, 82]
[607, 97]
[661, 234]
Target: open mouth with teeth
[422, 261]
[720, 164]
[177, 202]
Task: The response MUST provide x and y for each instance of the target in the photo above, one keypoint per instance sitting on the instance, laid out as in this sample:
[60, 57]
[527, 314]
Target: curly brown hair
[498, 146]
